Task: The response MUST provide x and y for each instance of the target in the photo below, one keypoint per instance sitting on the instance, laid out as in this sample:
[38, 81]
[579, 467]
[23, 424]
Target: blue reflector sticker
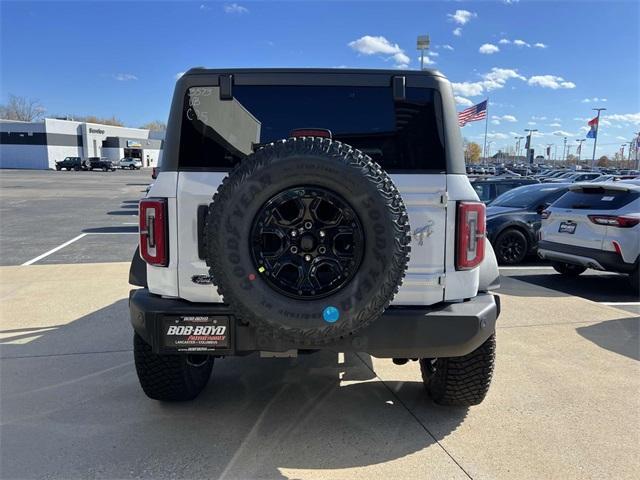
[330, 314]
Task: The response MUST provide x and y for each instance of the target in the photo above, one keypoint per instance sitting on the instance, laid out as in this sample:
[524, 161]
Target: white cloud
[204, 7]
[235, 8]
[510, 2]
[461, 17]
[370, 45]
[493, 80]
[427, 60]
[504, 41]
[534, 117]
[539, 45]
[521, 43]
[550, 81]
[506, 118]
[401, 58]
[457, 32]
[433, 54]
[445, 47]
[465, 102]
[531, 123]
[178, 75]
[619, 137]
[488, 49]
[594, 99]
[499, 136]
[563, 133]
[124, 77]
[555, 124]
[495, 122]
[625, 118]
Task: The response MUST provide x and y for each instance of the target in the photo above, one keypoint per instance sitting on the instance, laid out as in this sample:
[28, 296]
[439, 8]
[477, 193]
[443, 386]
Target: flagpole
[595, 140]
[486, 123]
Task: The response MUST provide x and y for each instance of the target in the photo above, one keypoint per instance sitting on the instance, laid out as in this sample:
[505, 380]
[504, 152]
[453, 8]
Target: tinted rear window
[596, 199]
[400, 135]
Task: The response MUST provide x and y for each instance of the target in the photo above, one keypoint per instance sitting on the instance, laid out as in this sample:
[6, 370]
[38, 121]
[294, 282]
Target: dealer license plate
[567, 227]
[196, 333]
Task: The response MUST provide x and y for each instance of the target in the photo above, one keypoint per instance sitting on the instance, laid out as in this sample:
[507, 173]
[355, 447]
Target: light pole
[489, 149]
[528, 146]
[580, 141]
[595, 138]
[637, 148]
[423, 44]
[517, 147]
[564, 151]
[622, 152]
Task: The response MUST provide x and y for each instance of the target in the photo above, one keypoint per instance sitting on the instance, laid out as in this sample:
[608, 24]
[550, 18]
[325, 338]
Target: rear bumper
[445, 330]
[586, 257]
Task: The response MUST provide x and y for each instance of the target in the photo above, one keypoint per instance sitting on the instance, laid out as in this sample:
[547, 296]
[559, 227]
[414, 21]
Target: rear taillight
[154, 244]
[614, 221]
[545, 214]
[470, 235]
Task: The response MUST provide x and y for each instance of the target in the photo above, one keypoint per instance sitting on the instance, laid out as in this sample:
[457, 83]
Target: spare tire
[308, 240]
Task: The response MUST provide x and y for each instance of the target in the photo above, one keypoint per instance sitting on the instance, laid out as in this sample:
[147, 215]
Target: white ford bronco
[303, 209]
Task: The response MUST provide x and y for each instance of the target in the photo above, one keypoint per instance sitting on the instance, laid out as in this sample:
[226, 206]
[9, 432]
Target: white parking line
[59, 247]
[620, 304]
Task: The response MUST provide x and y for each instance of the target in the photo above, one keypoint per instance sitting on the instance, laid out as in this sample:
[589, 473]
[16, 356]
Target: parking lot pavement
[95, 211]
[601, 287]
[564, 402]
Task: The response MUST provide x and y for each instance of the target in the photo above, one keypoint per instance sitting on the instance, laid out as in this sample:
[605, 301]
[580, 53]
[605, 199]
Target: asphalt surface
[40, 210]
[564, 402]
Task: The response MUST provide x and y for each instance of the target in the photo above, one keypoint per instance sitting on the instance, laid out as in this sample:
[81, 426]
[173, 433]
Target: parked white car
[594, 226]
[131, 163]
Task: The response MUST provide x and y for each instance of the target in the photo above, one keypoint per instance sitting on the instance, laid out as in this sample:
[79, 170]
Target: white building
[37, 145]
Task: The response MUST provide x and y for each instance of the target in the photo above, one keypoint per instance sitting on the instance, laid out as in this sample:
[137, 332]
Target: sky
[542, 64]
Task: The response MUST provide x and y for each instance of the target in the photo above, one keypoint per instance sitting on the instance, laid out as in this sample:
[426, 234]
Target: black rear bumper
[586, 257]
[444, 330]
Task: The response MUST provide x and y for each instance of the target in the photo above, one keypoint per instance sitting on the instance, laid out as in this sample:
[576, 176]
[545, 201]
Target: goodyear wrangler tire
[307, 240]
[172, 378]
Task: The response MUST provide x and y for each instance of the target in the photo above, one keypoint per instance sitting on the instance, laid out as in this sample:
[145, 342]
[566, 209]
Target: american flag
[473, 114]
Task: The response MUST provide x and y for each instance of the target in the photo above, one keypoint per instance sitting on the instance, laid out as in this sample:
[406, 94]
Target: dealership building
[38, 145]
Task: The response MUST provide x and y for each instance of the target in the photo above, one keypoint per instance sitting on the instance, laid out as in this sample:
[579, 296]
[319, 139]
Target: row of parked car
[575, 225]
[98, 163]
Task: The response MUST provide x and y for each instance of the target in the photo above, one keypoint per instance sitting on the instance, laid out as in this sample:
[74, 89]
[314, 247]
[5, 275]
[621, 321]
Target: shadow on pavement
[71, 394]
[123, 212]
[619, 336]
[114, 229]
[594, 287]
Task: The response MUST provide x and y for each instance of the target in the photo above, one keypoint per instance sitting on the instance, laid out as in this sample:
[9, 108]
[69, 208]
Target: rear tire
[511, 247]
[170, 377]
[460, 381]
[568, 269]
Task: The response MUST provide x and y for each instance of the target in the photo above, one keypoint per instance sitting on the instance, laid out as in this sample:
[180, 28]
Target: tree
[155, 126]
[116, 122]
[22, 109]
[472, 152]
[603, 161]
[571, 159]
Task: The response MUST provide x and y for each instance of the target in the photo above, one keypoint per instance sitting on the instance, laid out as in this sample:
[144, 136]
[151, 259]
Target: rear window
[400, 135]
[596, 199]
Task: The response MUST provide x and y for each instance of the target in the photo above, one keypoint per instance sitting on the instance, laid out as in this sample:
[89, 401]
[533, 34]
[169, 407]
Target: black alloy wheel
[511, 247]
[308, 240]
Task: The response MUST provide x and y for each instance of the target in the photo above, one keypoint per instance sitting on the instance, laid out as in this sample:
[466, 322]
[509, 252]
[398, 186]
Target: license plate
[567, 227]
[196, 333]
